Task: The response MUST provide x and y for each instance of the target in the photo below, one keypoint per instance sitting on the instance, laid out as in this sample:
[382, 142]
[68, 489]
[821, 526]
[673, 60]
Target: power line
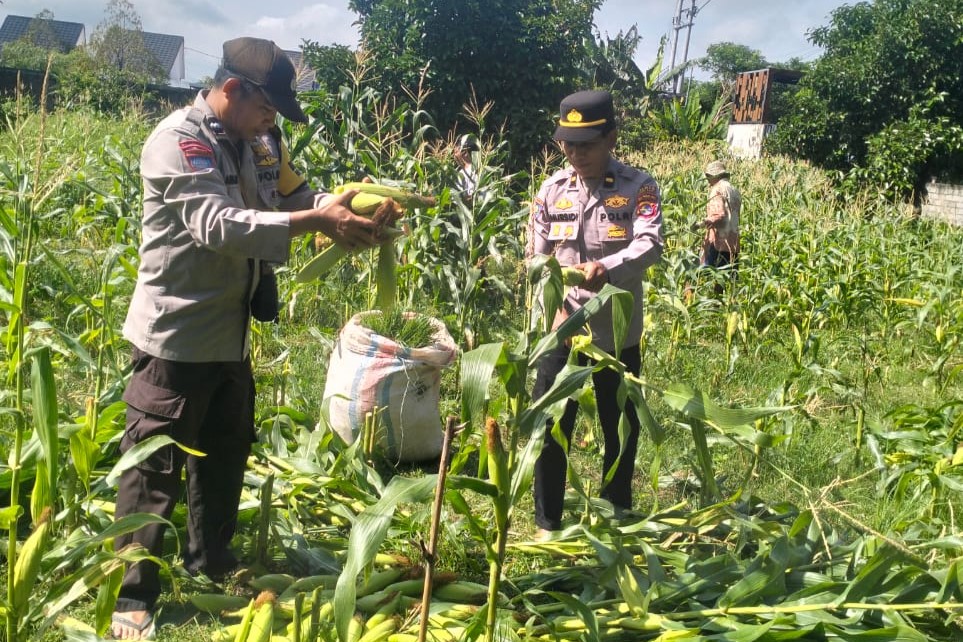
[203, 53]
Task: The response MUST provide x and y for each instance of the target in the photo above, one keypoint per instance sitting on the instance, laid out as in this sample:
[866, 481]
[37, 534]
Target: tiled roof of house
[305, 74]
[164, 48]
[67, 35]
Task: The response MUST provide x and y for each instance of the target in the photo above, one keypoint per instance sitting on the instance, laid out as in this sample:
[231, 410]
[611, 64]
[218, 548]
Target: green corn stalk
[500, 478]
[264, 519]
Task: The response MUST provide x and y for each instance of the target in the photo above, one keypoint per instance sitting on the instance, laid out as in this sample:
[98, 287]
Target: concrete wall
[745, 140]
[944, 202]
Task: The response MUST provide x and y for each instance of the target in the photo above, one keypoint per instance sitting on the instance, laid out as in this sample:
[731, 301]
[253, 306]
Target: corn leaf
[477, 369]
[694, 403]
[367, 534]
[44, 392]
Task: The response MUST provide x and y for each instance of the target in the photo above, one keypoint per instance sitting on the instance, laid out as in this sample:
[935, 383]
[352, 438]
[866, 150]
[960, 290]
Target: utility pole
[679, 80]
[677, 24]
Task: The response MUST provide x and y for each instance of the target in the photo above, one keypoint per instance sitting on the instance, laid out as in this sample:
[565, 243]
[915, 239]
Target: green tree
[890, 68]
[523, 56]
[117, 44]
[333, 64]
[725, 60]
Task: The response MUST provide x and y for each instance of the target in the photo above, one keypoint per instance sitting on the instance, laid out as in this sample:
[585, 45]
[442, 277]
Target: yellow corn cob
[355, 629]
[571, 276]
[365, 204]
[383, 613]
[27, 567]
[379, 632]
[404, 197]
[262, 624]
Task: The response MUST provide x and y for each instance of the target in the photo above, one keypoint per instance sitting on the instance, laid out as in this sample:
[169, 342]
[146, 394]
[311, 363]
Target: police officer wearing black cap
[222, 202]
[605, 219]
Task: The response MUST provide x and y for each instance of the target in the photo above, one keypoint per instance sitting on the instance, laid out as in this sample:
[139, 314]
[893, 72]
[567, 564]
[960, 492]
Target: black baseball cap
[584, 116]
[264, 64]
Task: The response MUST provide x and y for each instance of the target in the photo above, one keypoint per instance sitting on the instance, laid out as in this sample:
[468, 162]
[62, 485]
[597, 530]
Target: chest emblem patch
[563, 204]
[616, 201]
[615, 232]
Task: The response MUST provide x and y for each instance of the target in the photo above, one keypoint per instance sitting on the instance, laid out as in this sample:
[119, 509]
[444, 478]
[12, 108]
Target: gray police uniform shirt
[619, 224]
[210, 217]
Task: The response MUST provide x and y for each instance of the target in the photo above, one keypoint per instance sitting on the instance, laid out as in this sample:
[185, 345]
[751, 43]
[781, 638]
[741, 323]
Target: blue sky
[776, 28]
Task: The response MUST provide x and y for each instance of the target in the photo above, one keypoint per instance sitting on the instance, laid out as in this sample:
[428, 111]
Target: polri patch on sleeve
[647, 202]
[198, 155]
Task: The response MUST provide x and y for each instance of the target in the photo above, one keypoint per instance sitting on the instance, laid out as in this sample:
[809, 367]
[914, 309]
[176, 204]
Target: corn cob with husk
[27, 567]
[262, 624]
[572, 276]
[370, 200]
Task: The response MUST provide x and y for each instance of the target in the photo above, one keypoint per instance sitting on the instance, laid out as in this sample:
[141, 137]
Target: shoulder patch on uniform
[647, 201]
[198, 155]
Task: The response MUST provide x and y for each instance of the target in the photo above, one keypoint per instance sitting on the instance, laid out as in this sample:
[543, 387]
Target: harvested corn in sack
[382, 389]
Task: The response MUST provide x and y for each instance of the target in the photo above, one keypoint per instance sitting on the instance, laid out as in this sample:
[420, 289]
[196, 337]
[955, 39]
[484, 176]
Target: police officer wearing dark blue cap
[222, 201]
[605, 219]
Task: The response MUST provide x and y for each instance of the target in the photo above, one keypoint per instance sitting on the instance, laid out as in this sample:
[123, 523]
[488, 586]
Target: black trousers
[206, 406]
[552, 463]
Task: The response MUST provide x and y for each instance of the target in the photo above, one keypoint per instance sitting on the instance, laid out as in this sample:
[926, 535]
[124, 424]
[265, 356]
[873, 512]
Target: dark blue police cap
[584, 116]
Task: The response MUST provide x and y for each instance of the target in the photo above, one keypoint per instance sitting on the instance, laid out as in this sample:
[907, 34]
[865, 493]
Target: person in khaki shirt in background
[604, 218]
[720, 247]
[221, 203]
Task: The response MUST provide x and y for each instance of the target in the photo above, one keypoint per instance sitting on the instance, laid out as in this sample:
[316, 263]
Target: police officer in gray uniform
[221, 203]
[604, 218]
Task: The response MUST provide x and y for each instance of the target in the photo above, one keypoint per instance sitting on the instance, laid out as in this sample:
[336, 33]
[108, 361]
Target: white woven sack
[368, 372]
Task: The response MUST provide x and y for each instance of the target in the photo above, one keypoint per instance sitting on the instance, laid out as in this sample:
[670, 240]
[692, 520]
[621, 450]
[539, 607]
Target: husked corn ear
[572, 276]
[404, 197]
[27, 567]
